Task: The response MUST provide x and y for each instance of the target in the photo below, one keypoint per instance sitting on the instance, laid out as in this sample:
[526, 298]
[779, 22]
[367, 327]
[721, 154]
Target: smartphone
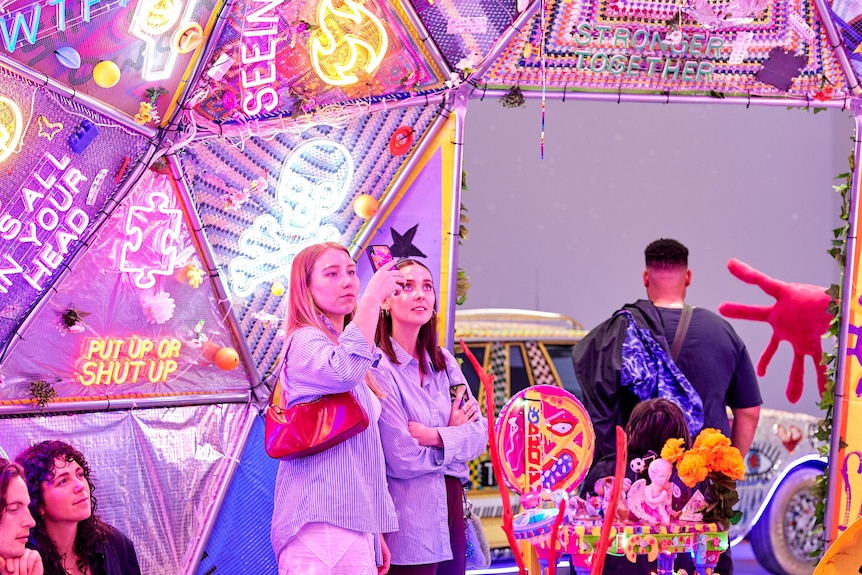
[454, 390]
[379, 256]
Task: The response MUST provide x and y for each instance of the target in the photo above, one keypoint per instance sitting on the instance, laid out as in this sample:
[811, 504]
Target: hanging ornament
[68, 57]
[401, 140]
[106, 74]
[227, 358]
[365, 206]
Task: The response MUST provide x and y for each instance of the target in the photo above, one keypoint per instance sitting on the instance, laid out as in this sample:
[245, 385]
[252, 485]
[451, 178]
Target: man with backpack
[640, 351]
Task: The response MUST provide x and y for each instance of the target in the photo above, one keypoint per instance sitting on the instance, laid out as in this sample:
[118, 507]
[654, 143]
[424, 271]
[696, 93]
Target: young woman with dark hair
[69, 535]
[430, 428]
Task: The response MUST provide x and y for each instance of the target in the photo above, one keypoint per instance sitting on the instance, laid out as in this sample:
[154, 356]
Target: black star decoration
[780, 68]
[402, 245]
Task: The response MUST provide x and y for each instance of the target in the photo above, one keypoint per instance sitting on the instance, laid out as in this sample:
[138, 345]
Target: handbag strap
[681, 330]
[276, 397]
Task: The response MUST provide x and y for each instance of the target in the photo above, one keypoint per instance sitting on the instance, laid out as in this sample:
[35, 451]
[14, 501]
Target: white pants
[323, 549]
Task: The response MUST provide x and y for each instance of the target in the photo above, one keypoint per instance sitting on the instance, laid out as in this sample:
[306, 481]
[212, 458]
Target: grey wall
[567, 233]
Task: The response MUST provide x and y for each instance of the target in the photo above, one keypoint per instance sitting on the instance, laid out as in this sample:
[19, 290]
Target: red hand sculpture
[799, 315]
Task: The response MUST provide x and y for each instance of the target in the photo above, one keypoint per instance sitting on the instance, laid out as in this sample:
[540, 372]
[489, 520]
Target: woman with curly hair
[15, 523]
[71, 538]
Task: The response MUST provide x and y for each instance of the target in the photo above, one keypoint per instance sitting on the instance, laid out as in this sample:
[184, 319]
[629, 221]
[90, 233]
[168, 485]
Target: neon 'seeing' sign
[337, 54]
[116, 361]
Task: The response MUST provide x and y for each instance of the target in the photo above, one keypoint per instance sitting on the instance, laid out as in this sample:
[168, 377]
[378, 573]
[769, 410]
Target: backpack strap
[681, 330]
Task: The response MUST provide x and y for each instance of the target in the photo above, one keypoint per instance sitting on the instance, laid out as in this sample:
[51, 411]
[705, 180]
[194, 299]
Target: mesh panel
[644, 60]
[462, 28]
[288, 82]
[144, 57]
[216, 171]
[156, 471]
[50, 207]
[245, 516]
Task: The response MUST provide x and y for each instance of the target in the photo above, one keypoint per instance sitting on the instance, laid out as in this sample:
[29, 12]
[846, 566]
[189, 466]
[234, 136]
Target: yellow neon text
[107, 361]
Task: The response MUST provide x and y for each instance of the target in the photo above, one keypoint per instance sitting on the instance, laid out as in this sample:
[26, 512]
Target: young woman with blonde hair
[332, 507]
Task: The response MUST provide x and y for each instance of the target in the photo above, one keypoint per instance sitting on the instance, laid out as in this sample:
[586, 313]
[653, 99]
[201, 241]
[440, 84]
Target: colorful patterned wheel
[545, 440]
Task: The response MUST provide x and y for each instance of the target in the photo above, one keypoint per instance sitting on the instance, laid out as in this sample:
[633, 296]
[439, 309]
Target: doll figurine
[652, 502]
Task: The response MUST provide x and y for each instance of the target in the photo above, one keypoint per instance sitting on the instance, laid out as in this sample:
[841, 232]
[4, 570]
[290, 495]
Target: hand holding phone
[379, 255]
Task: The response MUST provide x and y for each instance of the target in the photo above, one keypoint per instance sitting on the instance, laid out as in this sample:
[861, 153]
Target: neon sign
[258, 72]
[19, 21]
[154, 231]
[117, 361]
[154, 19]
[11, 124]
[313, 183]
[336, 53]
[47, 218]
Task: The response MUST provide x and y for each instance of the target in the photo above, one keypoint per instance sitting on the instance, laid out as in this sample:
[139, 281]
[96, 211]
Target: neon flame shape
[11, 123]
[340, 50]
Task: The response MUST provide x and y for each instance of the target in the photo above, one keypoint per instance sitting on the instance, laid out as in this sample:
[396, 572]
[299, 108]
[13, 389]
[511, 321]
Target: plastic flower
[673, 450]
[195, 275]
[692, 468]
[144, 115]
[158, 307]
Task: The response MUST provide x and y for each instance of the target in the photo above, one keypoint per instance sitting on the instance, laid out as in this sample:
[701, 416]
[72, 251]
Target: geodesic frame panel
[465, 31]
[157, 472]
[265, 199]
[112, 50]
[61, 163]
[780, 49]
[136, 317]
[283, 59]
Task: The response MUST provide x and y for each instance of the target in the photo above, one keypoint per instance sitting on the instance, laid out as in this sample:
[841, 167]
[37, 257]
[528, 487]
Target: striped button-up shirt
[344, 485]
[416, 473]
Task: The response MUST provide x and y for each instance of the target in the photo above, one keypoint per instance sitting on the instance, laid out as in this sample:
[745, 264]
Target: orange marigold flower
[729, 461]
[673, 450]
[692, 467]
[709, 438]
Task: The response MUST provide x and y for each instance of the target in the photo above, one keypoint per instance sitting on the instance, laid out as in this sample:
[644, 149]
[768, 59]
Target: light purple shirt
[344, 485]
[416, 473]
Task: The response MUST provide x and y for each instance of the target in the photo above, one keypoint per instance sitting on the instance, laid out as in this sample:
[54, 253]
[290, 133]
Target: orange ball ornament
[227, 358]
[365, 206]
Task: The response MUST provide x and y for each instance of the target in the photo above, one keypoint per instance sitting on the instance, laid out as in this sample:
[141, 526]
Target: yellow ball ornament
[365, 206]
[277, 289]
[106, 74]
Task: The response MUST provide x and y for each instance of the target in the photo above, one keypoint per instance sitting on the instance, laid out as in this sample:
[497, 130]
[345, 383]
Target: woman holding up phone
[430, 427]
[331, 507]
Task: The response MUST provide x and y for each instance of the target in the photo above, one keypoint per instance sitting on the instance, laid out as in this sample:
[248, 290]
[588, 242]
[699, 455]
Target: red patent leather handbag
[311, 427]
